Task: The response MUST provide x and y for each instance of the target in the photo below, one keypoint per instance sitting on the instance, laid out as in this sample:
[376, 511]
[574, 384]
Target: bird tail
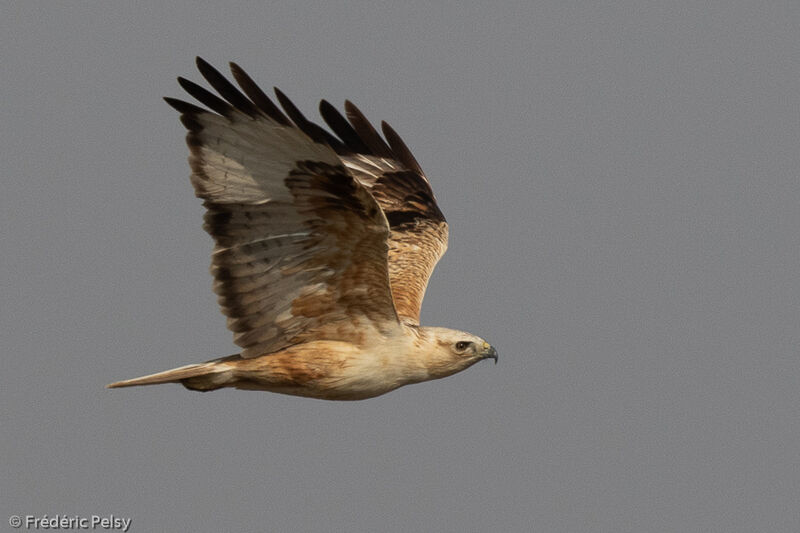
[202, 377]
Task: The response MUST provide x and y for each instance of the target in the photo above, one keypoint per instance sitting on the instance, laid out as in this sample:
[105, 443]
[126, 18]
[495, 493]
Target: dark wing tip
[225, 88]
[184, 107]
[311, 129]
[207, 98]
[355, 133]
[256, 95]
[288, 106]
[399, 148]
[336, 122]
[366, 132]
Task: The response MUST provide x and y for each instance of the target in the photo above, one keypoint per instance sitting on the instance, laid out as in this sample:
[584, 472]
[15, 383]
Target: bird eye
[462, 345]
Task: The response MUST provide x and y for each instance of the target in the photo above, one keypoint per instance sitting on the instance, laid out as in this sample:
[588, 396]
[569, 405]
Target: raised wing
[387, 168]
[419, 231]
[301, 246]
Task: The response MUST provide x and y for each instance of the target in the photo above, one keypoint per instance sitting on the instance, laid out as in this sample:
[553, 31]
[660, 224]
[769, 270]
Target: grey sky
[621, 182]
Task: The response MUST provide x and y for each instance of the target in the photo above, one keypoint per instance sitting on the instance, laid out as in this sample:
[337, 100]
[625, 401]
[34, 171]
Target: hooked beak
[489, 352]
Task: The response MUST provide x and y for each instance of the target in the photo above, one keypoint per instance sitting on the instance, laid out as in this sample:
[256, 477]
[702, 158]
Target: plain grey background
[621, 184]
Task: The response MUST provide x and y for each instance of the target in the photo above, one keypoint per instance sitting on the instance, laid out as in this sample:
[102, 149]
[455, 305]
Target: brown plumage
[324, 246]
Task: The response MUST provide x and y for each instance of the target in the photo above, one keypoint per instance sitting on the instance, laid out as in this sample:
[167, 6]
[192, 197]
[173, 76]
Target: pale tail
[204, 376]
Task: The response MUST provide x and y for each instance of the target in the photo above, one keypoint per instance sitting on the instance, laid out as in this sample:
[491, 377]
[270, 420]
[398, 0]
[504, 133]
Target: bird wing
[301, 245]
[385, 166]
[418, 230]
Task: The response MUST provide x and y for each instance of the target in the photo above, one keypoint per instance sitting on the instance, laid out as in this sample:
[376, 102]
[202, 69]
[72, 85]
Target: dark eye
[462, 345]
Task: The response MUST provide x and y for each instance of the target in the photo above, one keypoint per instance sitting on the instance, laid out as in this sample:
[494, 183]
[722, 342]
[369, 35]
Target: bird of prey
[324, 243]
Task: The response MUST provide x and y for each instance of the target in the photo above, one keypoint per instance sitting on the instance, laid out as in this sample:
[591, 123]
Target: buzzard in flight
[324, 246]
